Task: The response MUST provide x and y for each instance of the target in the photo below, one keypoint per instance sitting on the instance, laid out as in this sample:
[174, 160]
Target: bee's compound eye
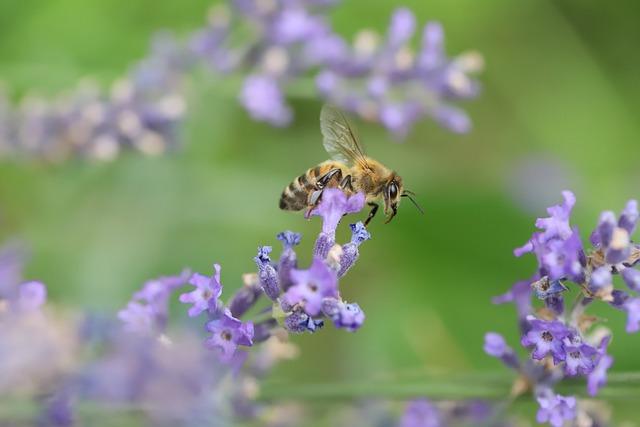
[393, 190]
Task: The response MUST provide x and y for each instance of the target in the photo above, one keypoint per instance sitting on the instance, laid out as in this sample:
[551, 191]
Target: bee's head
[393, 191]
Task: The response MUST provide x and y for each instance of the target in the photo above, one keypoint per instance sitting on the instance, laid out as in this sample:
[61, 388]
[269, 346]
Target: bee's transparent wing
[339, 139]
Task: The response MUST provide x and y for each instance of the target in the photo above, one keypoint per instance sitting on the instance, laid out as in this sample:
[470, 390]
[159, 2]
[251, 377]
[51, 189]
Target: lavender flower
[288, 258]
[311, 287]
[31, 296]
[334, 205]
[350, 252]
[206, 294]
[555, 409]
[343, 315]
[389, 83]
[227, 333]
[566, 334]
[420, 413]
[547, 338]
[147, 312]
[267, 273]
[496, 346]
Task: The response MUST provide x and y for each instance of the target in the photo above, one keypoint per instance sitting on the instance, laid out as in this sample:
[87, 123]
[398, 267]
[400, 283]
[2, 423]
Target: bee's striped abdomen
[295, 196]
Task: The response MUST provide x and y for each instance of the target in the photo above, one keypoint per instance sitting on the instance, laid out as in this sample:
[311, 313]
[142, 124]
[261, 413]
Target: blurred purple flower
[421, 413]
[556, 409]
[206, 294]
[262, 97]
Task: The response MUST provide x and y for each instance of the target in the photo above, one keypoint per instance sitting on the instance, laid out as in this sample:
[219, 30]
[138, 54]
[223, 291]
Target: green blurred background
[559, 109]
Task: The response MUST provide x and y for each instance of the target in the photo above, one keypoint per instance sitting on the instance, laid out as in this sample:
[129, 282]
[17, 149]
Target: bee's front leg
[346, 183]
[372, 213]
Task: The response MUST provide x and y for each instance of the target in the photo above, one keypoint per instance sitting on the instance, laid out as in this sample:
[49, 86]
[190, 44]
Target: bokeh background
[559, 109]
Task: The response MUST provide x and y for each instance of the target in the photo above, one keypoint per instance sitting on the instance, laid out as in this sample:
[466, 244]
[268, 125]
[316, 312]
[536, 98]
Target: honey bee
[349, 169]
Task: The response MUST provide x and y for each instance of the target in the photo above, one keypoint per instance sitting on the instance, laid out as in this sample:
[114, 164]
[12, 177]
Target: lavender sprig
[565, 342]
[270, 46]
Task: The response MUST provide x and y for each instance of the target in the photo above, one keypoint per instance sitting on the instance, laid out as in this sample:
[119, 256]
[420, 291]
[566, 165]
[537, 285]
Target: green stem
[491, 387]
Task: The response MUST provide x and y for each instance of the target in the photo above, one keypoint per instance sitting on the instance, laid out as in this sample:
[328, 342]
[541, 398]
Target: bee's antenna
[408, 194]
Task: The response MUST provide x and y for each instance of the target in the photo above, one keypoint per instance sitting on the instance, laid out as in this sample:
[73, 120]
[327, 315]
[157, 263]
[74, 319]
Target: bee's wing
[339, 139]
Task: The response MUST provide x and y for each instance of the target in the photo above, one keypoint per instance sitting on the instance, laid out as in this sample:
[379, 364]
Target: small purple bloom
[421, 413]
[350, 251]
[263, 99]
[267, 273]
[58, 411]
[288, 258]
[579, 358]
[137, 317]
[598, 377]
[31, 296]
[312, 286]
[496, 346]
[631, 277]
[556, 409]
[403, 24]
[629, 217]
[632, 307]
[227, 333]
[600, 279]
[343, 315]
[245, 298]
[206, 294]
[334, 205]
[555, 226]
[546, 337]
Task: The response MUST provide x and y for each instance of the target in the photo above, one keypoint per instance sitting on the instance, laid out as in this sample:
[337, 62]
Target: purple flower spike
[350, 251]
[632, 307]
[227, 333]
[58, 411]
[31, 296]
[631, 277]
[263, 99]
[343, 315]
[267, 273]
[421, 413]
[288, 259]
[547, 338]
[579, 358]
[312, 286]
[206, 294]
[629, 217]
[495, 345]
[556, 409]
[554, 227]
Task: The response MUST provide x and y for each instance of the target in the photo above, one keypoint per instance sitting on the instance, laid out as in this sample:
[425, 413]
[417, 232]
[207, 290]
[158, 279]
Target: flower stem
[474, 386]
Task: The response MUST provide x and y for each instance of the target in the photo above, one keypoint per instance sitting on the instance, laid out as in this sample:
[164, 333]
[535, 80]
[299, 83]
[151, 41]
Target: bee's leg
[345, 184]
[372, 212]
[326, 178]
